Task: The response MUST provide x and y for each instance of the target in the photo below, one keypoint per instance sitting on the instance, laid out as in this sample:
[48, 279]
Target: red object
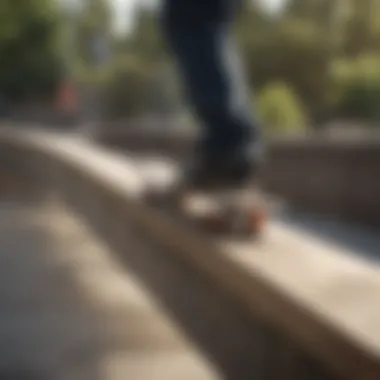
[67, 97]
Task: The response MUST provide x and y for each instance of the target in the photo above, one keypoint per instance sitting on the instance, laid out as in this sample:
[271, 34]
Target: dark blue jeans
[198, 33]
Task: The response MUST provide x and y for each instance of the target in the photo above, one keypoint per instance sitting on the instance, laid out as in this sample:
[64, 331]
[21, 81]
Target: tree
[94, 32]
[356, 88]
[146, 39]
[298, 48]
[30, 63]
[280, 109]
[290, 51]
[126, 89]
[362, 28]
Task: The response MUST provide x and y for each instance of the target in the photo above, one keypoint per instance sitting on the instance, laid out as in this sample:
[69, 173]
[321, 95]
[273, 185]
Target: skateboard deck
[237, 212]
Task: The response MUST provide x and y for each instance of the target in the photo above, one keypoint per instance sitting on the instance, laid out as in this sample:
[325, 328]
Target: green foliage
[146, 39]
[293, 52]
[29, 48]
[280, 109]
[296, 52]
[126, 87]
[325, 51]
[356, 86]
[93, 21]
[361, 101]
[361, 30]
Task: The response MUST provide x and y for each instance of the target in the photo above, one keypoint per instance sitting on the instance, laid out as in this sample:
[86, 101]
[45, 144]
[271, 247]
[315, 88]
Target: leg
[198, 33]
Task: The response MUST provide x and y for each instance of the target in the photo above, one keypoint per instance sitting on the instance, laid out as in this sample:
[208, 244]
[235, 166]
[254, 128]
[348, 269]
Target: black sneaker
[223, 171]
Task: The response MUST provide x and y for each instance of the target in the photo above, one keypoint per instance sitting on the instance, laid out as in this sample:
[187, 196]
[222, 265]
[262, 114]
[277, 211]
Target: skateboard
[237, 212]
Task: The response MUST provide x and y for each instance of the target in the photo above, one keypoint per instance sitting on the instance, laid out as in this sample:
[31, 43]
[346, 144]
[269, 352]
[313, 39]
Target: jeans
[198, 33]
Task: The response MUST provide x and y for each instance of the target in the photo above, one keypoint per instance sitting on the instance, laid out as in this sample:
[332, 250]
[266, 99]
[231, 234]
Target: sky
[124, 10]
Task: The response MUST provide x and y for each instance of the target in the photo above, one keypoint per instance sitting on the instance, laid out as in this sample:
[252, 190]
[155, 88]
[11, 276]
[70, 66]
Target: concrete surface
[68, 310]
[308, 291]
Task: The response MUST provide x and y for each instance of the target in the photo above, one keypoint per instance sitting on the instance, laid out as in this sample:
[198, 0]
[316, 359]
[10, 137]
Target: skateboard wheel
[257, 218]
[256, 221]
[247, 224]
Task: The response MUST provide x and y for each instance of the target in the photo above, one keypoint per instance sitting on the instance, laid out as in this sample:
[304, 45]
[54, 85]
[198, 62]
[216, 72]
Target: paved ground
[68, 311]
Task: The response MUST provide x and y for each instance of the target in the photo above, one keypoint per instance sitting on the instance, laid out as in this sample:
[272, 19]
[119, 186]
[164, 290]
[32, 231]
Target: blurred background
[75, 247]
[311, 64]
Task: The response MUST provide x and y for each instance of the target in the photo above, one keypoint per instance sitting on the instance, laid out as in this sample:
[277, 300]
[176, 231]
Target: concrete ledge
[304, 308]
